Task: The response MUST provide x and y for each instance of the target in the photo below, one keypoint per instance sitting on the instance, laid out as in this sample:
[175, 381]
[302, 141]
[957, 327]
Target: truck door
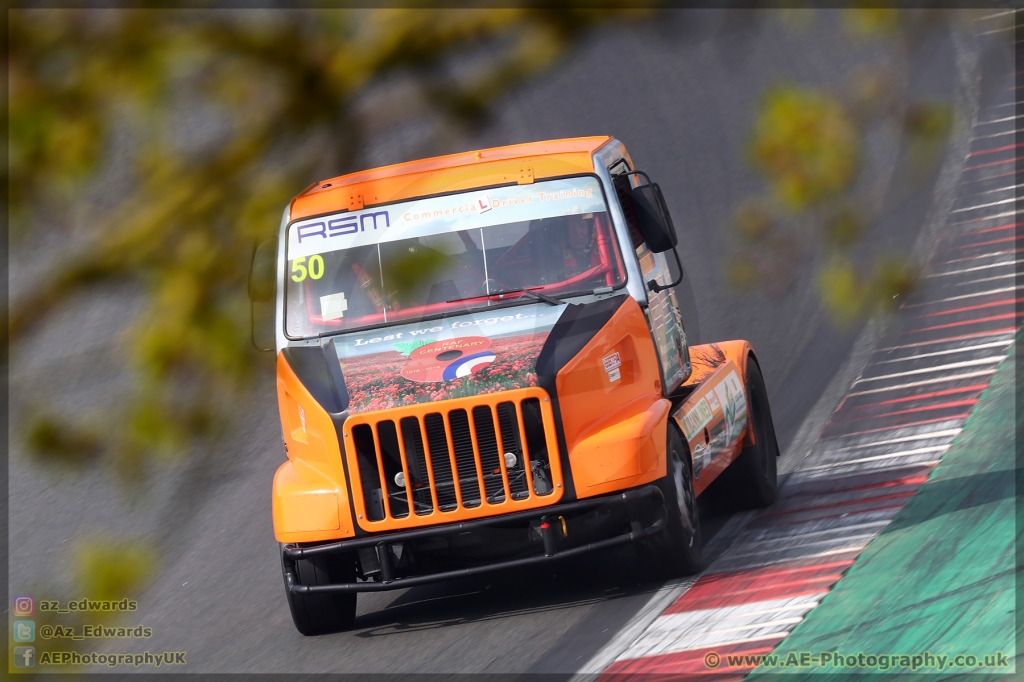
[664, 316]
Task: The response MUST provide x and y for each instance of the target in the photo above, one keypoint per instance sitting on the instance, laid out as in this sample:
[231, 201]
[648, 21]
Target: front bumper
[388, 581]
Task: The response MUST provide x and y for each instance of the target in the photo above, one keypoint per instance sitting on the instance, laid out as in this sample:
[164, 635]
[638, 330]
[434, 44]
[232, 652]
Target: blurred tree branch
[284, 89]
[807, 142]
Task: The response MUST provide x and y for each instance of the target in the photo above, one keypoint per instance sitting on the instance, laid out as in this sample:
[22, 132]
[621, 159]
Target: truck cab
[483, 363]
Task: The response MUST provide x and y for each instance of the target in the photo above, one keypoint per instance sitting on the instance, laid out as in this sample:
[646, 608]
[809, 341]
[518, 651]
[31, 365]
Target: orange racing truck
[482, 364]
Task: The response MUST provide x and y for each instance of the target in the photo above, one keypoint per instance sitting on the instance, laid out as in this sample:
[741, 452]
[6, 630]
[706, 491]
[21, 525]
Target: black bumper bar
[384, 542]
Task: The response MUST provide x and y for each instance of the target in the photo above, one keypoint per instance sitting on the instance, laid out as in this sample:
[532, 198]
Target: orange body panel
[707, 357]
[720, 373]
[436, 516]
[520, 163]
[310, 500]
[614, 429]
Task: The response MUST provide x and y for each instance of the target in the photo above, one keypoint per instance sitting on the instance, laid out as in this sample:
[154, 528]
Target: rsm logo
[349, 224]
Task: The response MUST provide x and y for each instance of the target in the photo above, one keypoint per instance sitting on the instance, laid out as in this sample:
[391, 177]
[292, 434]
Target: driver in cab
[579, 251]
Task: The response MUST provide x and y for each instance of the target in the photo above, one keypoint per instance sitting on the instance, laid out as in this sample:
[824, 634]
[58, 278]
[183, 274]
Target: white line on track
[839, 535]
[1002, 253]
[986, 279]
[736, 617]
[988, 217]
[952, 433]
[980, 267]
[683, 631]
[709, 637]
[725, 613]
[999, 106]
[1000, 120]
[856, 547]
[995, 15]
[1008, 335]
[838, 468]
[663, 597]
[926, 370]
[1004, 29]
[817, 476]
[902, 453]
[1001, 290]
[778, 534]
[760, 638]
[792, 532]
[922, 383]
[965, 349]
[994, 203]
[832, 535]
[1008, 132]
[1003, 189]
[1009, 118]
[779, 558]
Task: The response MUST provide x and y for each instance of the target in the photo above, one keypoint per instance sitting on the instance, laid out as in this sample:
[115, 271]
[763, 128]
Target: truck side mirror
[262, 281]
[652, 218]
[262, 270]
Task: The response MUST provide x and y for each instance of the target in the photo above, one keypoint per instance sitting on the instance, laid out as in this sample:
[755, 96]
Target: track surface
[880, 445]
[681, 97]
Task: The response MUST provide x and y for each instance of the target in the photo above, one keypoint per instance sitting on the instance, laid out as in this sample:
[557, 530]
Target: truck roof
[520, 163]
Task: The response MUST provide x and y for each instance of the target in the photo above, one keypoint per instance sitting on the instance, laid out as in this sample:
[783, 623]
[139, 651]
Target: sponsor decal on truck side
[717, 418]
[697, 418]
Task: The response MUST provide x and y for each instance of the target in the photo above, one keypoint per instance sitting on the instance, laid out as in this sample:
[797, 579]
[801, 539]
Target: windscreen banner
[451, 213]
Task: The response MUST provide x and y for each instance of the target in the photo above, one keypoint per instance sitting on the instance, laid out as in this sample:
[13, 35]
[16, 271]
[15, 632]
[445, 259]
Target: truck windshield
[448, 254]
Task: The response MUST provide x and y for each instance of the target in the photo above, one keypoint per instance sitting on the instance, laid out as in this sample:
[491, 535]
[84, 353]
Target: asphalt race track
[681, 96]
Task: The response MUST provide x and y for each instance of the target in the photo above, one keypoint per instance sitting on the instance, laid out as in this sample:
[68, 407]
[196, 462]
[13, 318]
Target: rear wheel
[676, 550]
[754, 473]
[319, 614]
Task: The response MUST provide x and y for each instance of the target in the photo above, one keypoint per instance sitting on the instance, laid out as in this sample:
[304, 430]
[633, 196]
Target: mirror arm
[655, 287]
[640, 172]
[252, 263]
[252, 329]
[252, 303]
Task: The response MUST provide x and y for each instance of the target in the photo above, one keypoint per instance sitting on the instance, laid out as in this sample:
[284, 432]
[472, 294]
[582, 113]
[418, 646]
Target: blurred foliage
[872, 21]
[805, 144]
[753, 221]
[872, 91]
[53, 443]
[851, 295]
[845, 228]
[113, 570]
[205, 124]
[923, 123]
[409, 271]
[808, 143]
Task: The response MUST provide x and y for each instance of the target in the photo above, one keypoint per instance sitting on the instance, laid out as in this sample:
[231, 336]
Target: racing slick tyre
[676, 550]
[753, 475]
[319, 614]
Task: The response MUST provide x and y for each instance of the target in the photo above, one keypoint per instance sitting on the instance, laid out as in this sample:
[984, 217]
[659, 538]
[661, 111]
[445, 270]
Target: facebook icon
[24, 656]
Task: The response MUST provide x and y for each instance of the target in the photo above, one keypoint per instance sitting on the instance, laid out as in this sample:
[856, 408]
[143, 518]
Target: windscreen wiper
[528, 292]
[550, 300]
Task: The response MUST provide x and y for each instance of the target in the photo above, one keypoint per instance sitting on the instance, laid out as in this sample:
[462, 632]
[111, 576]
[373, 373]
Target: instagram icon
[24, 605]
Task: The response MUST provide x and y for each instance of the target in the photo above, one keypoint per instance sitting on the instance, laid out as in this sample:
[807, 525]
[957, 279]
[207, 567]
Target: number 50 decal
[315, 271]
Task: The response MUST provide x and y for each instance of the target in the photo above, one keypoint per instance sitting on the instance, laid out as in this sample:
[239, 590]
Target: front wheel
[319, 614]
[755, 471]
[676, 550]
